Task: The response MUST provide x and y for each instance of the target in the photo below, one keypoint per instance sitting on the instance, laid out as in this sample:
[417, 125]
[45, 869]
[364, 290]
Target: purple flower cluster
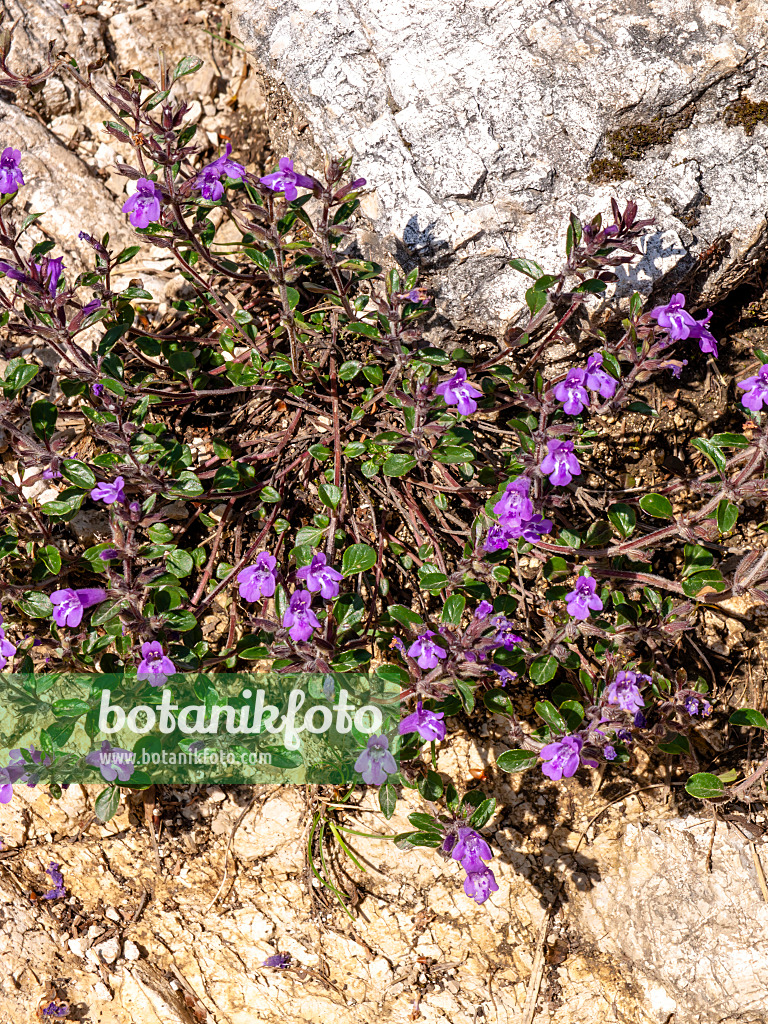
[572, 391]
[70, 604]
[756, 388]
[562, 758]
[516, 518]
[320, 577]
[428, 724]
[560, 464]
[376, 762]
[208, 182]
[426, 651]
[155, 665]
[287, 180]
[260, 579]
[109, 493]
[112, 762]
[624, 691]
[679, 324]
[470, 849]
[299, 619]
[58, 891]
[458, 391]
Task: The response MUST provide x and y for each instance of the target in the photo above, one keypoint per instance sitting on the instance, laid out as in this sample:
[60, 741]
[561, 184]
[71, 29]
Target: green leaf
[227, 478]
[293, 298]
[187, 66]
[78, 474]
[374, 375]
[181, 361]
[748, 717]
[546, 710]
[127, 254]
[183, 621]
[387, 799]
[623, 518]
[730, 441]
[542, 670]
[451, 455]
[657, 505]
[517, 760]
[592, 286]
[357, 558]
[483, 814]
[528, 267]
[399, 465]
[73, 707]
[453, 609]
[330, 495]
[350, 369]
[431, 787]
[705, 786]
[35, 605]
[498, 702]
[43, 417]
[708, 578]
[712, 452]
[107, 803]
[180, 562]
[269, 495]
[18, 374]
[432, 580]
[308, 535]
[697, 559]
[50, 558]
[404, 615]
[535, 300]
[727, 514]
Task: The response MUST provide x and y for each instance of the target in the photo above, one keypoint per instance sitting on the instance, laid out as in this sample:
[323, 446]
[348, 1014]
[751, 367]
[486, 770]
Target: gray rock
[695, 941]
[480, 126]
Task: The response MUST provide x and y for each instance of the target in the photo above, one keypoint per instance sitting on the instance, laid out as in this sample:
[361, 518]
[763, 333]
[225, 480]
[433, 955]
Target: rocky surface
[481, 125]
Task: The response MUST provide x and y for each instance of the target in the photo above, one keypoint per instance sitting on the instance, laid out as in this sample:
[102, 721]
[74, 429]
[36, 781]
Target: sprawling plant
[283, 448]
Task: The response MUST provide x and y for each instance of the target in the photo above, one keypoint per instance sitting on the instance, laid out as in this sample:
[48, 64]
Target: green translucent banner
[250, 727]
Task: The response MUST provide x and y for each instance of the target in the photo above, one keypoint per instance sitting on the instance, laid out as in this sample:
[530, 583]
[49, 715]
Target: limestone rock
[480, 126]
[695, 941]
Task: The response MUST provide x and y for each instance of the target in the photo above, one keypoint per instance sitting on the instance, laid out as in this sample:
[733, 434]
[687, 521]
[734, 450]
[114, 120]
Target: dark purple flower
[91, 307]
[6, 785]
[480, 884]
[58, 891]
[561, 758]
[113, 762]
[560, 464]
[49, 272]
[7, 650]
[536, 526]
[287, 180]
[695, 704]
[109, 493]
[675, 365]
[260, 579]
[505, 636]
[483, 610]
[471, 850]
[498, 538]
[319, 576]
[583, 598]
[375, 763]
[428, 724]
[155, 665]
[97, 389]
[597, 379]
[144, 204]
[609, 752]
[625, 691]
[707, 342]
[299, 619]
[457, 391]
[674, 319]
[207, 180]
[756, 388]
[108, 553]
[278, 961]
[11, 177]
[572, 392]
[55, 1008]
[70, 604]
[426, 651]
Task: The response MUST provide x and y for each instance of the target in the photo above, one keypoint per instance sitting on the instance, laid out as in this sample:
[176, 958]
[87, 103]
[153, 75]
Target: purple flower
[71, 603]
[457, 391]
[375, 763]
[707, 342]
[108, 553]
[109, 493]
[426, 651]
[483, 610]
[609, 752]
[674, 319]
[299, 619]
[396, 644]
[498, 538]
[756, 389]
[155, 666]
[97, 389]
[504, 633]
[55, 1009]
[207, 180]
[258, 580]
[7, 650]
[428, 724]
[625, 691]
[514, 506]
[320, 576]
[280, 960]
[11, 177]
[561, 758]
[6, 786]
[17, 769]
[597, 379]
[535, 527]
[480, 884]
[560, 463]
[50, 272]
[58, 891]
[572, 392]
[583, 598]
[286, 180]
[113, 762]
[471, 850]
[695, 704]
[144, 204]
